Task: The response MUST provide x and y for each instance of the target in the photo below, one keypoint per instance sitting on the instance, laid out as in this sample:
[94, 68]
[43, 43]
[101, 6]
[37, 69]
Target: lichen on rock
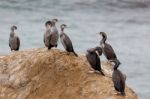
[53, 74]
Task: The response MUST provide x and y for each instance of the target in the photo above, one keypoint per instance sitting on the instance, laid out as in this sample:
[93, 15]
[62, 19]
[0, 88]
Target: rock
[43, 74]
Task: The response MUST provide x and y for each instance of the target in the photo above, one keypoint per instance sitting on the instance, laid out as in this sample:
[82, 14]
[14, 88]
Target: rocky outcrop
[43, 74]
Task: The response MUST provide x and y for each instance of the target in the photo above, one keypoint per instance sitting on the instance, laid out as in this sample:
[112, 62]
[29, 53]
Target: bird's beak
[98, 33]
[68, 27]
[120, 63]
[111, 61]
[55, 20]
[97, 53]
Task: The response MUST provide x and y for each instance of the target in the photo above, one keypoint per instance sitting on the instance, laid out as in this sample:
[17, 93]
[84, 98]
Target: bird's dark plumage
[18, 43]
[14, 41]
[118, 78]
[93, 58]
[54, 35]
[65, 40]
[107, 49]
[48, 25]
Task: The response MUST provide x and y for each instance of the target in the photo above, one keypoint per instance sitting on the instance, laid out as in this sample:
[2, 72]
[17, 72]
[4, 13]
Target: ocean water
[127, 23]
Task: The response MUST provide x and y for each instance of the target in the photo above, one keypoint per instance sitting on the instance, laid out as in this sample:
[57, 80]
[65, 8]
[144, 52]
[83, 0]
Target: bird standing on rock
[65, 40]
[54, 35]
[48, 25]
[14, 41]
[107, 49]
[118, 78]
[92, 56]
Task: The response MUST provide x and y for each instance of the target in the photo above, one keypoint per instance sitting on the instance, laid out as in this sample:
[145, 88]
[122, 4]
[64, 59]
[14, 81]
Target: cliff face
[43, 74]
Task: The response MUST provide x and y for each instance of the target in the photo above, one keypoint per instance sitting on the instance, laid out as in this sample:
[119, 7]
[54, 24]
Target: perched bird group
[93, 54]
[51, 37]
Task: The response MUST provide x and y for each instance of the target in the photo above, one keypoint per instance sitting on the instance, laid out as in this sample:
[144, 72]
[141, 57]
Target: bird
[107, 48]
[14, 41]
[118, 78]
[65, 40]
[92, 56]
[46, 39]
[54, 35]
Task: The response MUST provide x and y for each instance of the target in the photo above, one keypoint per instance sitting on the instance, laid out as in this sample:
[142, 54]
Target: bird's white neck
[12, 34]
[48, 28]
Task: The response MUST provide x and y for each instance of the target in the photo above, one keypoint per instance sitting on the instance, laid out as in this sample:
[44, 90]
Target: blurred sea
[127, 23]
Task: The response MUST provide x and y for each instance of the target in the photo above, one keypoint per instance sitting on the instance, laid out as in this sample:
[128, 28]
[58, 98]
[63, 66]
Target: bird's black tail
[75, 53]
[49, 47]
[102, 72]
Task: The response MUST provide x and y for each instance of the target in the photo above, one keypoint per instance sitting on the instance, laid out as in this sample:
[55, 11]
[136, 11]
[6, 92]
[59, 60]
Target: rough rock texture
[43, 74]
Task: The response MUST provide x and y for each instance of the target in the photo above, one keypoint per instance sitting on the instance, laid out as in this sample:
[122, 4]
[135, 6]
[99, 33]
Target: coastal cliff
[54, 74]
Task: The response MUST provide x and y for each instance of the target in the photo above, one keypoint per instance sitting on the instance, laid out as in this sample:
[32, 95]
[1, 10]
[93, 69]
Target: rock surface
[43, 74]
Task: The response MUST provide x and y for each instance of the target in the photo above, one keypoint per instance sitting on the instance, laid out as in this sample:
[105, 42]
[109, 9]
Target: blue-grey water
[127, 23]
